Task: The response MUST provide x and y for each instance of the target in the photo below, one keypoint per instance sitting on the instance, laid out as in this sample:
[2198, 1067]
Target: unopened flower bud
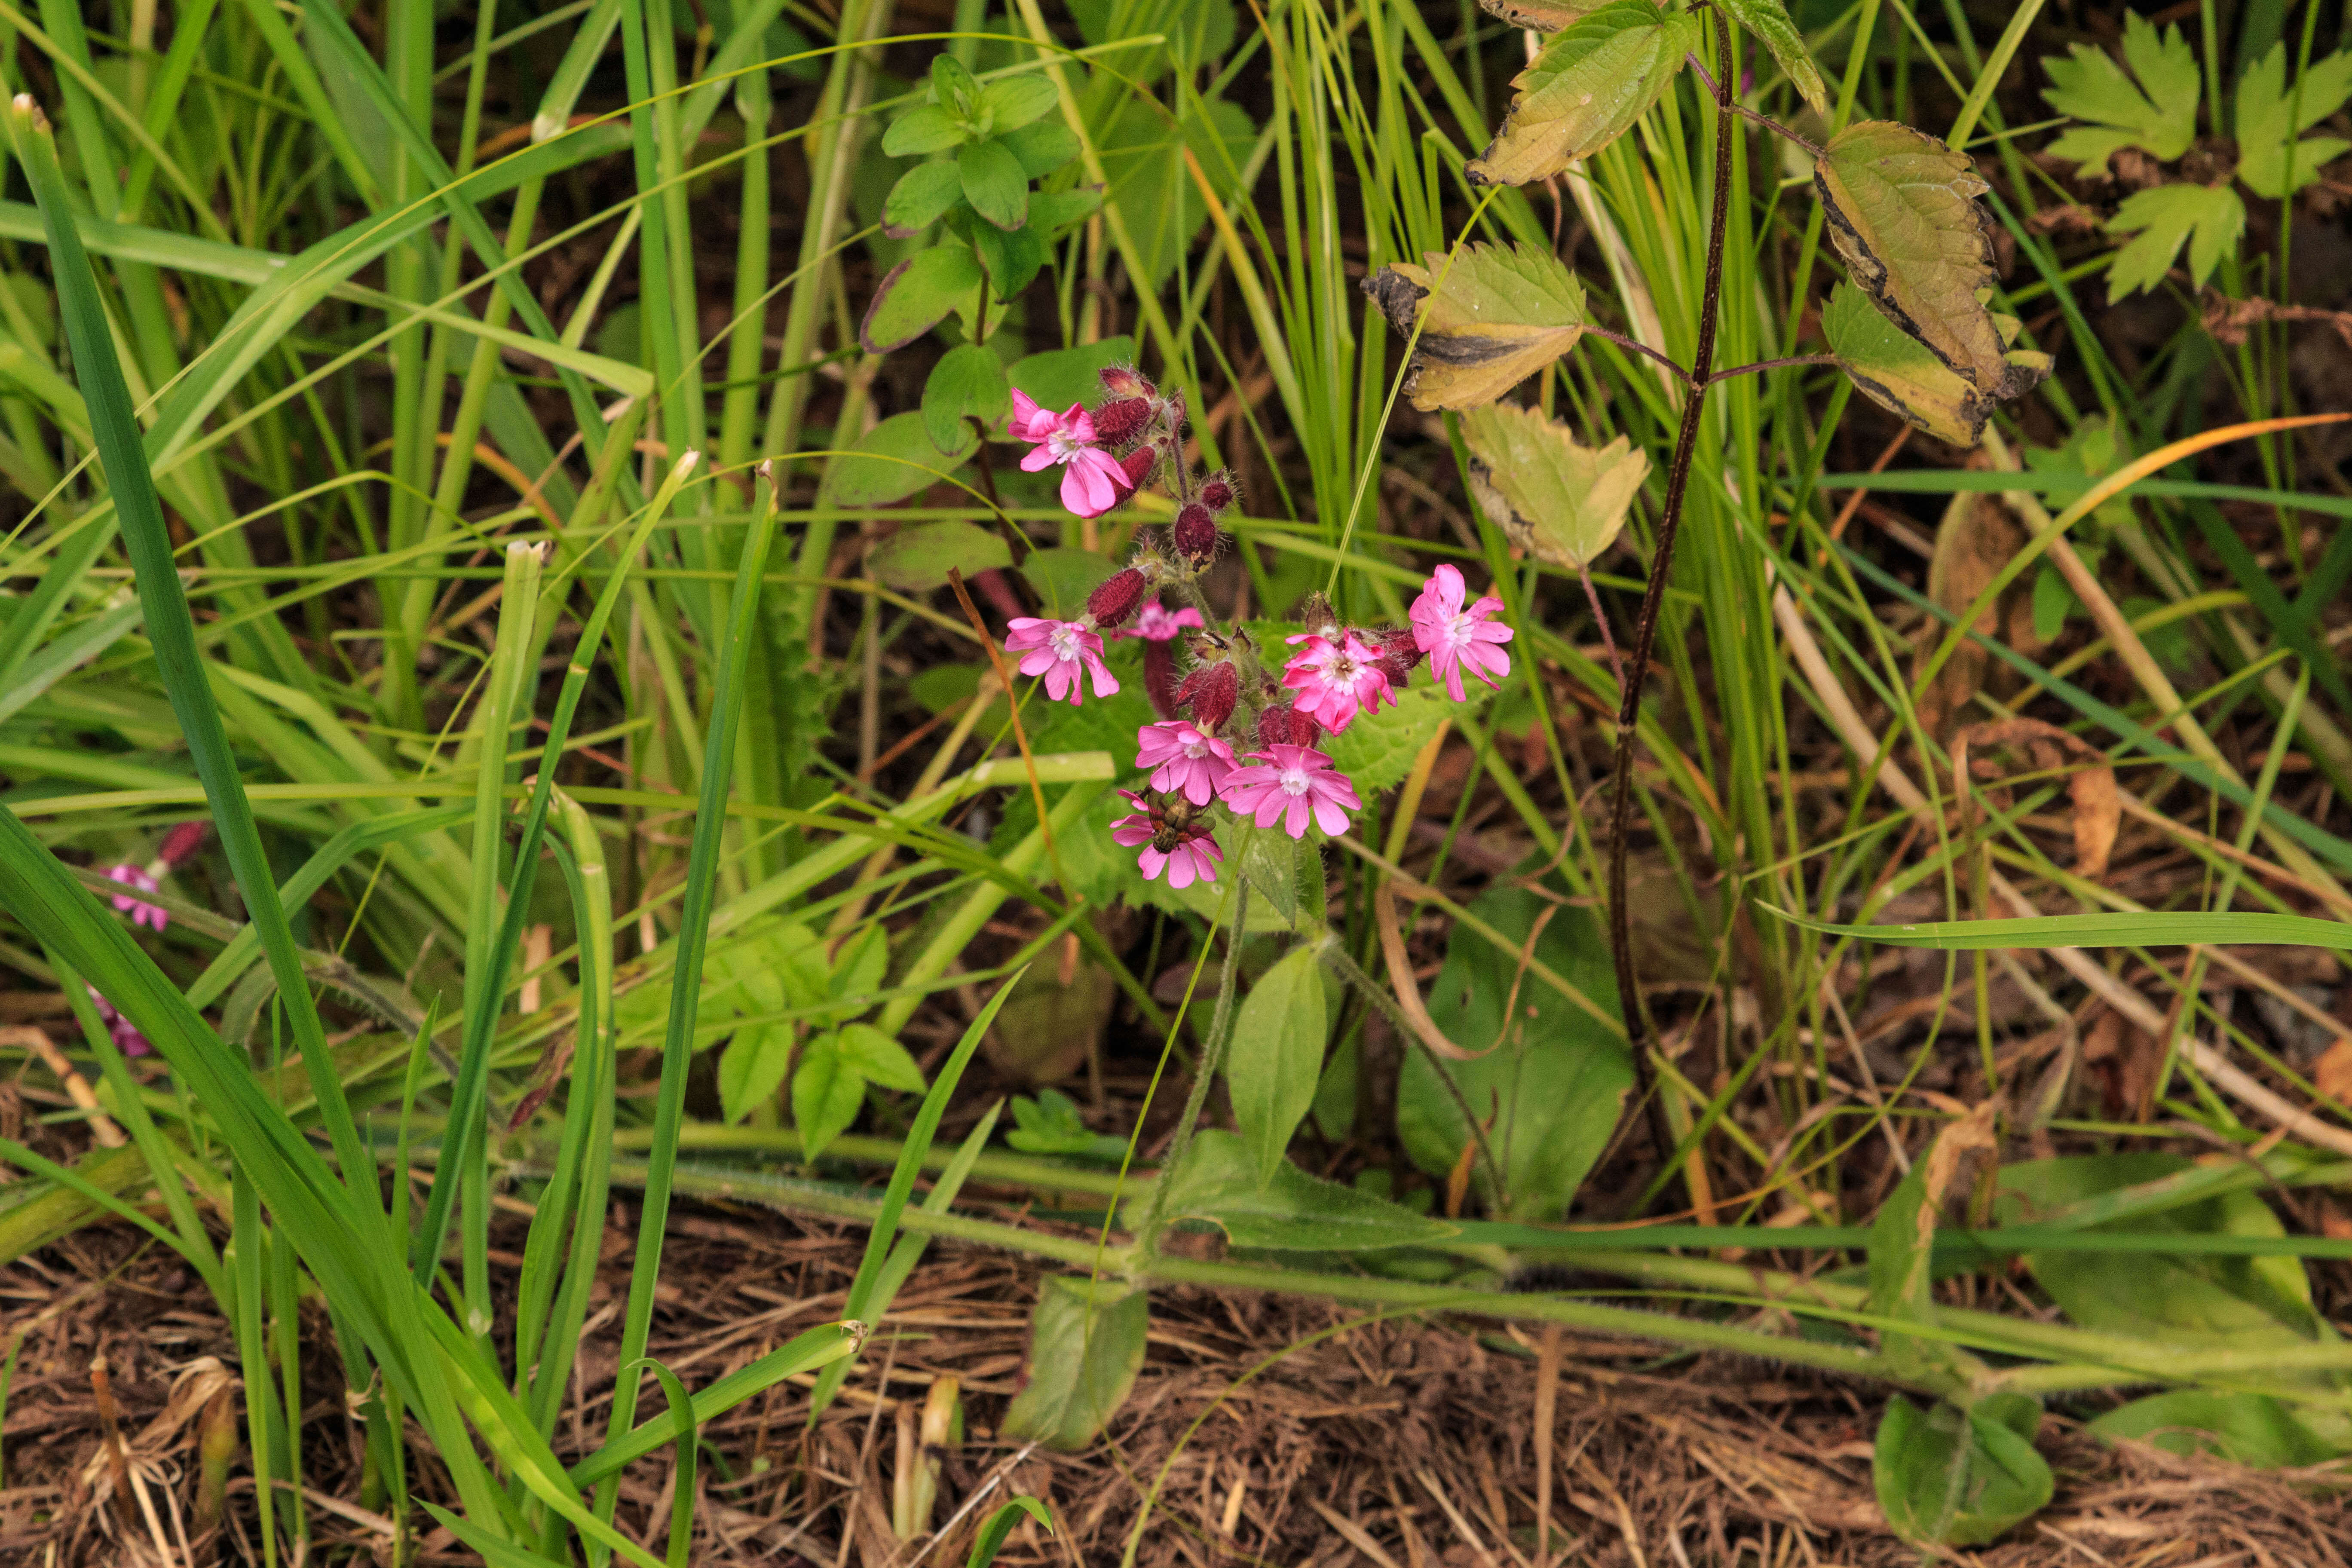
[1285, 726]
[1139, 463]
[1218, 493]
[1315, 613]
[1195, 534]
[1111, 603]
[1398, 653]
[1126, 381]
[1121, 420]
[181, 842]
[1210, 693]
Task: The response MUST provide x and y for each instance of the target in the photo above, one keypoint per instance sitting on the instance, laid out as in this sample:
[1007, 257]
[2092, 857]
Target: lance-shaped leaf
[1769, 21]
[1902, 209]
[1592, 82]
[1562, 503]
[1496, 316]
[1894, 370]
[1542, 15]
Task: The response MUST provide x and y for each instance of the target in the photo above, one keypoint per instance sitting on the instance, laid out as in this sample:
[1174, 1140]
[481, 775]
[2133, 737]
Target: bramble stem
[1639, 347]
[1646, 632]
[1765, 364]
[1766, 120]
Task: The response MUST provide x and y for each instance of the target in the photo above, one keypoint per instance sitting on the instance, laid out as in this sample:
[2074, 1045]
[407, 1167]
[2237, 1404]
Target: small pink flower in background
[1336, 679]
[1157, 623]
[141, 912]
[1456, 639]
[119, 1029]
[1092, 479]
[1064, 653]
[1186, 853]
[1187, 762]
[1292, 784]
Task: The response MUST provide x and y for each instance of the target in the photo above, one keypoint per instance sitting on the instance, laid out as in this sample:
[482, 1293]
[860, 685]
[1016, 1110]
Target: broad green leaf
[1013, 257]
[1959, 1478]
[1894, 370]
[857, 971]
[893, 460]
[1059, 377]
[967, 384]
[1000, 1524]
[917, 294]
[1042, 148]
[917, 560]
[1063, 574]
[2265, 107]
[1053, 213]
[1494, 316]
[1378, 752]
[2244, 1428]
[1902, 1250]
[1268, 859]
[2160, 121]
[828, 1090]
[1769, 21]
[1275, 1054]
[1218, 1183]
[993, 183]
[920, 199]
[881, 1059]
[1086, 1345]
[1013, 101]
[751, 1067]
[1902, 209]
[1554, 1078]
[1593, 82]
[2207, 218]
[1562, 503]
[926, 128]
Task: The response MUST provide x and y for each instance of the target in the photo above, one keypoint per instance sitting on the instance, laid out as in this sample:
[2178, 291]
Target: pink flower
[1188, 854]
[1336, 679]
[1188, 761]
[1157, 623]
[1064, 652]
[119, 1029]
[1456, 640]
[1293, 784]
[141, 913]
[1092, 479]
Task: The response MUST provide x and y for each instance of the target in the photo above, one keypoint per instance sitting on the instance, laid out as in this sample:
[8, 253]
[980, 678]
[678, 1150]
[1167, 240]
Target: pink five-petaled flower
[1292, 783]
[1157, 623]
[1336, 679]
[1456, 639]
[142, 914]
[119, 1029]
[1064, 652]
[1185, 760]
[1092, 479]
[1188, 854]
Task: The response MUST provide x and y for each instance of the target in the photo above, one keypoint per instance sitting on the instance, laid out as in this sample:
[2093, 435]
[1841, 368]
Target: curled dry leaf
[1974, 542]
[1898, 372]
[1540, 16]
[1496, 315]
[1562, 503]
[2098, 807]
[1592, 82]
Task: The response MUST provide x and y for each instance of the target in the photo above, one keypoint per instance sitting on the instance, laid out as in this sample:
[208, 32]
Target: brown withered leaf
[2098, 807]
[1974, 540]
[1539, 16]
[1592, 82]
[2331, 1073]
[1494, 317]
[1898, 372]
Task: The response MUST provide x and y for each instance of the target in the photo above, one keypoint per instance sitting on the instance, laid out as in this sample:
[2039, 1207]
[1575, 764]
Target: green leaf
[917, 560]
[953, 87]
[893, 460]
[1894, 370]
[1010, 102]
[1376, 750]
[1014, 257]
[924, 129]
[1959, 1478]
[2207, 218]
[1059, 377]
[967, 384]
[751, 1067]
[1902, 1251]
[881, 1059]
[1218, 1183]
[917, 294]
[1562, 503]
[1769, 21]
[2264, 109]
[1086, 1345]
[1053, 212]
[2090, 86]
[1042, 148]
[2156, 930]
[2053, 601]
[857, 971]
[1000, 1524]
[1901, 207]
[920, 199]
[1494, 316]
[1592, 82]
[828, 1090]
[1268, 859]
[1143, 163]
[993, 183]
[1554, 1078]
[1063, 574]
[1049, 1124]
[1275, 1055]
[2243, 1429]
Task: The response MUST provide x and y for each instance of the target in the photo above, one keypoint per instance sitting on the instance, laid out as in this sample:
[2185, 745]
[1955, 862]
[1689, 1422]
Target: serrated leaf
[1376, 750]
[750, 1069]
[1042, 148]
[2265, 107]
[879, 1058]
[1293, 1213]
[926, 128]
[1014, 101]
[1562, 502]
[1901, 207]
[2207, 218]
[1086, 1345]
[828, 1090]
[1895, 371]
[1769, 21]
[916, 295]
[920, 199]
[918, 560]
[2089, 84]
[1593, 82]
[1275, 1056]
[993, 183]
[1959, 1477]
[1492, 318]
[892, 461]
[1540, 16]
[967, 384]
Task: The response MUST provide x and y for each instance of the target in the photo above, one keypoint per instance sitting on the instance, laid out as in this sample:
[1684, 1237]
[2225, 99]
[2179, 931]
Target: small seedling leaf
[1959, 1477]
[2265, 106]
[1562, 502]
[2207, 218]
[2158, 116]
[1490, 317]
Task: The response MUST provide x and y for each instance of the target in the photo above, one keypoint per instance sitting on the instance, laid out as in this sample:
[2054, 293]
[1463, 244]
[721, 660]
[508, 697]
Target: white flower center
[1196, 748]
[1064, 641]
[1063, 447]
[1293, 780]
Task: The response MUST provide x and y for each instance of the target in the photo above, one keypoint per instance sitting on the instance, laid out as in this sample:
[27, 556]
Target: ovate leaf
[1592, 82]
[893, 460]
[827, 1092]
[1013, 101]
[1042, 148]
[1494, 316]
[926, 128]
[916, 295]
[1895, 371]
[1086, 1345]
[1562, 503]
[1275, 1055]
[967, 384]
[2161, 121]
[2207, 218]
[1769, 21]
[1902, 209]
[993, 183]
[920, 199]
[2265, 107]
[2244, 1428]
[1294, 1211]
[917, 560]
[1014, 257]
[879, 1058]
[751, 1068]
[1959, 1478]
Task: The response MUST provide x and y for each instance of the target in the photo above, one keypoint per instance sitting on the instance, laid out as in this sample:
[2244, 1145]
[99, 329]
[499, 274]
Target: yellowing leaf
[1895, 371]
[1769, 21]
[1540, 16]
[1592, 82]
[1562, 503]
[1496, 316]
[2158, 116]
[2208, 218]
[1902, 210]
[2264, 107]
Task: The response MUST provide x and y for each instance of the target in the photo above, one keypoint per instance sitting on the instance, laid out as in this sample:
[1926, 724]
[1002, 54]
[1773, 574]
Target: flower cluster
[178, 845]
[1225, 696]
